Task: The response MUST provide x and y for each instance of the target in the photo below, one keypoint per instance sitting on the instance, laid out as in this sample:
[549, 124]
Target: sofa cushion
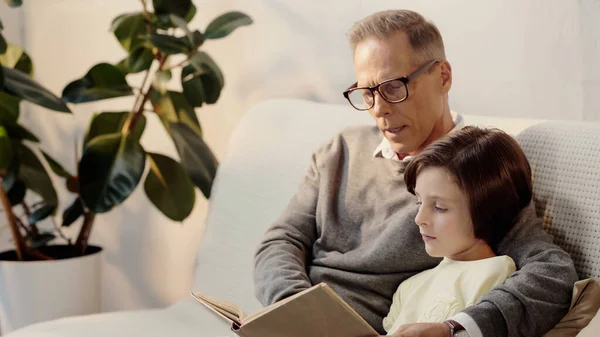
[584, 306]
[565, 160]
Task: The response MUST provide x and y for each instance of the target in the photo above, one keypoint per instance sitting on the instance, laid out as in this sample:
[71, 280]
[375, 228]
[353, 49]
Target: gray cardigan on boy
[351, 225]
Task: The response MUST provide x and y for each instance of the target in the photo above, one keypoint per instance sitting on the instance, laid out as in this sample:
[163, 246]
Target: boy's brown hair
[490, 167]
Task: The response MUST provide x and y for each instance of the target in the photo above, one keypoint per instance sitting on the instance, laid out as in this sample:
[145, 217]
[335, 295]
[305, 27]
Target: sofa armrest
[184, 319]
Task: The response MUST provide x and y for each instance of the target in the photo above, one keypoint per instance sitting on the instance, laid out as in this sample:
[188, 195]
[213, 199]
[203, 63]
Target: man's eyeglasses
[393, 91]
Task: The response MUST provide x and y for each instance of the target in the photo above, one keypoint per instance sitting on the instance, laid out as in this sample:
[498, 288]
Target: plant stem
[20, 223]
[33, 226]
[145, 9]
[25, 209]
[142, 99]
[82, 240]
[10, 216]
[38, 255]
[60, 232]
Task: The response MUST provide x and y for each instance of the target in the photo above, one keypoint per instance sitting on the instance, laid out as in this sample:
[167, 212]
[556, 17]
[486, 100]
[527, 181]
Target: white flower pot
[37, 291]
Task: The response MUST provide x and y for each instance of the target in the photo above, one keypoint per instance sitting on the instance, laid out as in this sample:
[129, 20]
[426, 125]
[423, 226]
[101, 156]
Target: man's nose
[380, 106]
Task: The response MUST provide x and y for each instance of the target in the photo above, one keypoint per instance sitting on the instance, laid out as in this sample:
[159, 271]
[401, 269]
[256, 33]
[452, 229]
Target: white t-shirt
[440, 293]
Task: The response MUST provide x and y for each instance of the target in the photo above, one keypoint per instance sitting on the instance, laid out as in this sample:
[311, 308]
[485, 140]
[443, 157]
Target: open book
[314, 312]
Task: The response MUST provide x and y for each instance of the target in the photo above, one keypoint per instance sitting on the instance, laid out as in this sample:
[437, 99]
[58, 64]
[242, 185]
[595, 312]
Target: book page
[276, 305]
[315, 312]
[229, 311]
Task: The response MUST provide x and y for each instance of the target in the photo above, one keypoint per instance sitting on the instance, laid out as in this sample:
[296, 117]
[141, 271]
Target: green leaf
[178, 7]
[172, 107]
[103, 81]
[24, 64]
[110, 169]
[161, 22]
[11, 177]
[225, 24]
[6, 151]
[139, 60]
[204, 64]
[130, 30]
[169, 44]
[72, 185]
[72, 213]
[193, 87]
[16, 131]
[16, 194]
[14, 3]
[19, 84]
[9, 108]
[122, 68]
[56, 167]
[3, 45]
[182, 24]
[198, 39]
[196, 156]
[212, 87]
[200, 88]
[169, 187]
[206, 77]
[41, 213]
[39, 240]
[112, 122]
[35, 176]
[16, 58]
[191, 13]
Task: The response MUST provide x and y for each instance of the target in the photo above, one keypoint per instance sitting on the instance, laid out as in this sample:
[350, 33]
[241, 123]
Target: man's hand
[423, 330]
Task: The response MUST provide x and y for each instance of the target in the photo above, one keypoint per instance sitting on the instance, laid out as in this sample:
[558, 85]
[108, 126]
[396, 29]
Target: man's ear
[446, 76]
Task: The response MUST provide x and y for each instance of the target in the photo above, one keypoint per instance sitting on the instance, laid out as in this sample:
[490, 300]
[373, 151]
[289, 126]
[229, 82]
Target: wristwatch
[455, 327]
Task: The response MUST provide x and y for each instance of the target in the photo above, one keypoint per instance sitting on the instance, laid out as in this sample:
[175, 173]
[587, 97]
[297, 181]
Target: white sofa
[268, 155]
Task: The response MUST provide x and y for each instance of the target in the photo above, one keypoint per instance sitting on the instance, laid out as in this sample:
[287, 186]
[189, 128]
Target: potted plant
[113, 162]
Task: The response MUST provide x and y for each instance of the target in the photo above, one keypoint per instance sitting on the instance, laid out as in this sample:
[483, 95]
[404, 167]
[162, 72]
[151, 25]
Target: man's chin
[403, 151]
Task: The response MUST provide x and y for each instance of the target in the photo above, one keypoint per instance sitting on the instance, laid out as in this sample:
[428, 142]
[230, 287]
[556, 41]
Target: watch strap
[454, 327]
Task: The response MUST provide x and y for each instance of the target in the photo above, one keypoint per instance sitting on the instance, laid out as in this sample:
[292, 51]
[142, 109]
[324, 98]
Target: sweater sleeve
[538, 294]
[281, 258]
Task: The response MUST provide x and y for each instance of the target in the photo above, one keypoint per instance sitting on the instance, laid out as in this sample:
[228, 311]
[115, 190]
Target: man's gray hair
[424, 37]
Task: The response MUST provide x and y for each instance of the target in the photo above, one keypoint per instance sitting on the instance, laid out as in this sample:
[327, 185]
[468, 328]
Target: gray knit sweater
[351, 225]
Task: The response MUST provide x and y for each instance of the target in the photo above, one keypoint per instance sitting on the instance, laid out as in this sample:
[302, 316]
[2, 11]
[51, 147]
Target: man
[351, 223]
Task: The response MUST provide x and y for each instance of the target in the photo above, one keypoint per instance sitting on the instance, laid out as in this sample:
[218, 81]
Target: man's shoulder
[361, 131]
[353, 138]
[361, 135]
[349, 142]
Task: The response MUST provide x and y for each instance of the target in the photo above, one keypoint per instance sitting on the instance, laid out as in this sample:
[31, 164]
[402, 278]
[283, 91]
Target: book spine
[237, 329]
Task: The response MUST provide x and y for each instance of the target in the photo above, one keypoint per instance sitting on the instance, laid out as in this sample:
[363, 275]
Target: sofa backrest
[268, 155]
[565, 159]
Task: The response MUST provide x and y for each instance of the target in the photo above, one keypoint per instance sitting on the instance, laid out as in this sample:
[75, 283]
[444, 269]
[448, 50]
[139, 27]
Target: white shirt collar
[384, 149]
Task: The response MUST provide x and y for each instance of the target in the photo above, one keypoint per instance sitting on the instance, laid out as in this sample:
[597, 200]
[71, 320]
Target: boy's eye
[440, 209]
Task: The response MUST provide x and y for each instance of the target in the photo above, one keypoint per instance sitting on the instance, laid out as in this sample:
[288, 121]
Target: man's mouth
[396, 130]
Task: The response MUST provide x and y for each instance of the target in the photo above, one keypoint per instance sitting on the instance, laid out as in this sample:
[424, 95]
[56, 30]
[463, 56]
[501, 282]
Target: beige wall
[536, 59]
